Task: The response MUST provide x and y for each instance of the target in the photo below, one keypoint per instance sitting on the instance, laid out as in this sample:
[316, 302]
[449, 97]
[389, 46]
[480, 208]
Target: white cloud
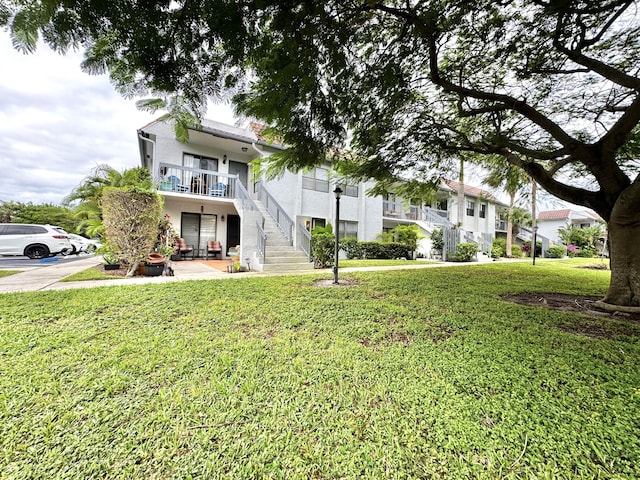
[57, 123]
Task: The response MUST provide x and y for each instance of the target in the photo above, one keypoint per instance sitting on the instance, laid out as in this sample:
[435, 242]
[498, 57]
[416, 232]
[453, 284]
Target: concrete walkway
[49, 277]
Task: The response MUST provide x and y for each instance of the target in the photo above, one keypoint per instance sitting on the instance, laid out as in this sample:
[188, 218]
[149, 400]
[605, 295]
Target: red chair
[184, 249]
[214, 247]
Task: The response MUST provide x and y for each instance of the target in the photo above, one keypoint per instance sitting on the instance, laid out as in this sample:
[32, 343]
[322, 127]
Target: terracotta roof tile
[554, 214]
[472, 191]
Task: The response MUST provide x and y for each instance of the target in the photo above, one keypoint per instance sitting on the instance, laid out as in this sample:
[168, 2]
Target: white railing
[402, 211]
[196, 181]
[303, 240]
[284, 222]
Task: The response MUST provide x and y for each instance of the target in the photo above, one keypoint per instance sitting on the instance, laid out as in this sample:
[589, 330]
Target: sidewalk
[49, 278]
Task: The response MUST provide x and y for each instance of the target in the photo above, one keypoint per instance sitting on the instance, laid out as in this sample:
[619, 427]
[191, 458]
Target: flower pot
[112, 266]
[153, 269]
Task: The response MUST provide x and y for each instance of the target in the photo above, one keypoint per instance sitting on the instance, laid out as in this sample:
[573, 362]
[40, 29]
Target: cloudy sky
[57, 123]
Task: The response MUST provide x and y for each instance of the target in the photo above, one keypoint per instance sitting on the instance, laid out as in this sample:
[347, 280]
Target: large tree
[551, 86]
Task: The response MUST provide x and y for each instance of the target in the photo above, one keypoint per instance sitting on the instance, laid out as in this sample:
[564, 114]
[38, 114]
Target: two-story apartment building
[211, 194]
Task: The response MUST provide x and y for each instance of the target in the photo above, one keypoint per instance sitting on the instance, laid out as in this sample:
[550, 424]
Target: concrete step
[291, 260]
[288, 267]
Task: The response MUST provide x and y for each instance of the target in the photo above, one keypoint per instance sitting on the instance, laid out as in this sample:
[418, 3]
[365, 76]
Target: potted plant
[109, 257]
[156, 260]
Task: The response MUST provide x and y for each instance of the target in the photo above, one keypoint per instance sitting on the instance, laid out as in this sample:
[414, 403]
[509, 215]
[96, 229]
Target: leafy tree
[46, 213]
[580, 237]
[550, 87]
[88, 195]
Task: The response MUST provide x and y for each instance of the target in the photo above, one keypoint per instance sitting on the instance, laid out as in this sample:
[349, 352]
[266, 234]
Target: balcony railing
[401, 211]
[501, 225]
[195, 181]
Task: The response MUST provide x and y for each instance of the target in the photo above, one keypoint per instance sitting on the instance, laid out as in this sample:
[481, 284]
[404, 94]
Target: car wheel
[37, 251]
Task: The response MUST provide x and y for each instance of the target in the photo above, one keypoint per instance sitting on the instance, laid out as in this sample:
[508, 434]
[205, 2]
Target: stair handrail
[261, 242]
[284, 222]
[304, 241]
[429, 216]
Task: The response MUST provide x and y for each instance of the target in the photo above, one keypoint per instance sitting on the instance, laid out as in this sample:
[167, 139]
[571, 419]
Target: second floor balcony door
[240, 169]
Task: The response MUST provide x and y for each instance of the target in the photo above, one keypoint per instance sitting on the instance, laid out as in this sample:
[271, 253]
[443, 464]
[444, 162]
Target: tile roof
[554, 214]
[568, 213]
[472, 191]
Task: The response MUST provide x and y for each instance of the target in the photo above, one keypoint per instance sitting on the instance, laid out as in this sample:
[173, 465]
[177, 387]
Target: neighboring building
[550, 221]
[210, 193]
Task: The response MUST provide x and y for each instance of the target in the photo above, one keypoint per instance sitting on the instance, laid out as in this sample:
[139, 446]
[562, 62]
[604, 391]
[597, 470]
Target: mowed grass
[6, 273]
[407, 374]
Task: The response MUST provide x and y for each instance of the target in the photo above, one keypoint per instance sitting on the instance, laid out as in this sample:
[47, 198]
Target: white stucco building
[211, 193]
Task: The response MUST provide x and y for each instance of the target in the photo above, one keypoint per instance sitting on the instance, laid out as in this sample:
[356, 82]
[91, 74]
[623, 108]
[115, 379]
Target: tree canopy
[551, 87]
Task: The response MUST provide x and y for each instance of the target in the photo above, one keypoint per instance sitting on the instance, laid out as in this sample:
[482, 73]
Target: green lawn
[379, 263]
[408, 374]
[6, 273]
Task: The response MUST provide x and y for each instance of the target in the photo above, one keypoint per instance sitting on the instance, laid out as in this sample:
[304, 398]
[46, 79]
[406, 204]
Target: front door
[233, 231]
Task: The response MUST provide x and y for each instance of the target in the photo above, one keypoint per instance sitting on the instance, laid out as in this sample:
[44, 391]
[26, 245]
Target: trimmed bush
[516, 251]
[465, 252]
[383, 251]
[587, 252]
[351, 247]
[498, 247]
[556, 252]
[322, 249]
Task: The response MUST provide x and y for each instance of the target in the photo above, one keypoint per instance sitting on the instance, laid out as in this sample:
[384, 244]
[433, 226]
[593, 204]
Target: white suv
[34, 241]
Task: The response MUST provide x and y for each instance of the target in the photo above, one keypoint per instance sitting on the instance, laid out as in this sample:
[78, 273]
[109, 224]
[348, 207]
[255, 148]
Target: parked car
[33, 241]
[80, 244]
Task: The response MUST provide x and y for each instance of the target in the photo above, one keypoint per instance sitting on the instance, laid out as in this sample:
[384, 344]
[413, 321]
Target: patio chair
[176, 184]
[214, 247]
[219, 190]
[184, 249]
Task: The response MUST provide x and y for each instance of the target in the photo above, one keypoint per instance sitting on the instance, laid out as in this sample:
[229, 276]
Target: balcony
[195, 181]
[501, 225]
[400, 211]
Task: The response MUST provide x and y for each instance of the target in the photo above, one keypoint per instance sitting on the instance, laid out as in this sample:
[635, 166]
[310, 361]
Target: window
[316, 179]
[441, 204]
[471, 208]
[200, 162]
[318, 222]
[348, 229]
[483, 210]
[349, 190]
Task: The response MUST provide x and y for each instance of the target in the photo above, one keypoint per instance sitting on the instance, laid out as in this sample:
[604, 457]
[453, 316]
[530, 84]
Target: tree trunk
[624, 253]
[510, 225]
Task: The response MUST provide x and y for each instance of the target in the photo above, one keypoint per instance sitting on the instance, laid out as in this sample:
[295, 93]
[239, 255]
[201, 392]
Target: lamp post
[338, 193]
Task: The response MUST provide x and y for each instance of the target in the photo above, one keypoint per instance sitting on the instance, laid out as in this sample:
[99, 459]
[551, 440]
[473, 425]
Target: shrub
[556, 252]
[351, 248]
[500, 247]
[322, 248]
[465, 252]
[587, 252]
[407, 235]
[383, 251]
[572, 250]
[437, 239]
[526, 247]
[516, 251]
[131, 219]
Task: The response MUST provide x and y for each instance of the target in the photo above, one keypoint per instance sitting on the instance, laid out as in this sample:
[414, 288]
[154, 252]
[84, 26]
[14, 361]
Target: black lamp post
[338, 193]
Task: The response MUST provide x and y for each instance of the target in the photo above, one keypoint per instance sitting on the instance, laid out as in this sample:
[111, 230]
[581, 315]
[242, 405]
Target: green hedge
[383, 251]
[556, 252]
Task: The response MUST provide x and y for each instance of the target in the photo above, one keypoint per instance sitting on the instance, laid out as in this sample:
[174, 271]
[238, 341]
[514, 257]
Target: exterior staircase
[281, 256]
